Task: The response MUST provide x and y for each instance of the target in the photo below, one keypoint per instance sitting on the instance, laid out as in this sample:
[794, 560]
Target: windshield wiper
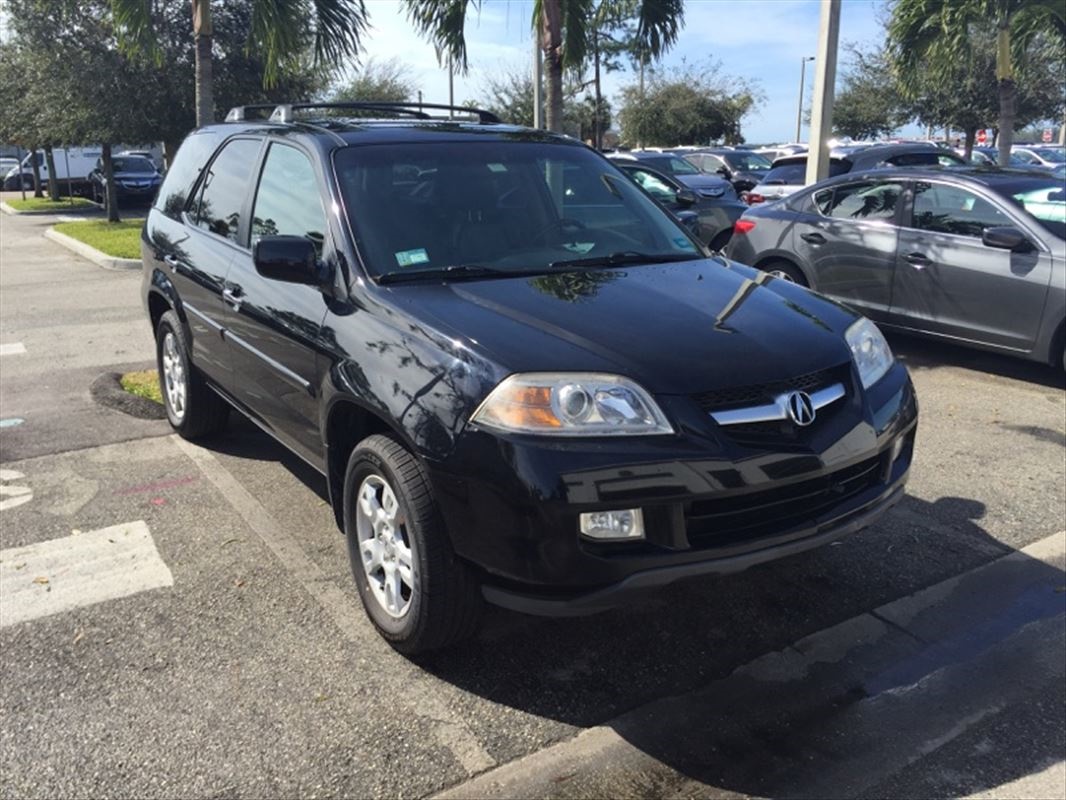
[625, 257]
[454, 272]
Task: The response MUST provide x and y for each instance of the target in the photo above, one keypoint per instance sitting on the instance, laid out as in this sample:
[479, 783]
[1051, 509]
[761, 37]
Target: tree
[931, 37]
[279, 33]
[378, 81]
[509, 95]
[564, 29]
[686, 105]
[868, 104]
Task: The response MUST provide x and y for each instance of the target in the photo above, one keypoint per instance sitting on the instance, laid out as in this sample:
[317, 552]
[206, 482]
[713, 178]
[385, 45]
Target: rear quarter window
[192, 156]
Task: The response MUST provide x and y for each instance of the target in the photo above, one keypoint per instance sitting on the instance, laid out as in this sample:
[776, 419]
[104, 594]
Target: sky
[760, 40]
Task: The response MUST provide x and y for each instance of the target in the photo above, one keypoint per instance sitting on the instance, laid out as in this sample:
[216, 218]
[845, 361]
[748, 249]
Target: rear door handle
[813, 238]
[232, 295]
[918, 260]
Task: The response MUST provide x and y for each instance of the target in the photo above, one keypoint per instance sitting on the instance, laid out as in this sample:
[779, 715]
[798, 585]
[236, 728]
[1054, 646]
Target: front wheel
[193, 409]
[415, 590]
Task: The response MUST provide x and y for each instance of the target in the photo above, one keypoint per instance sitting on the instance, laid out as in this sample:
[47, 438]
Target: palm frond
[278, 31]
[443, 22]
[133, 27]
[577, 18]
[658, 24]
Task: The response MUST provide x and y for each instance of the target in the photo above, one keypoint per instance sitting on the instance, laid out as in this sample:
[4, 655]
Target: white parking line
[13, 349]
[63, 574]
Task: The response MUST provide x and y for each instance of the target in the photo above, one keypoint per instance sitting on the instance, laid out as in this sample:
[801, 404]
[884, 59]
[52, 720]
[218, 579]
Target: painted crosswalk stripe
[13, 349]
[63, 574]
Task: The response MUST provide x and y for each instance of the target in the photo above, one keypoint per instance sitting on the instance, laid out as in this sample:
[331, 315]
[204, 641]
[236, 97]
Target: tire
[785, 271]
[442, 603]
[193, 409]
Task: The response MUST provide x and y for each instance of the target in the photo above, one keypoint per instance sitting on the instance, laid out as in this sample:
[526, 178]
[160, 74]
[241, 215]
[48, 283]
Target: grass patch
[116, 239]
[46, 204]
[143, 384]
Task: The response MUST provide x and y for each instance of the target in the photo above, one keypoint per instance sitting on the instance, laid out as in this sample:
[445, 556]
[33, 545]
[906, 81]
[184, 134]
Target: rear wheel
[193, 409]
[415, 590]
[785, 271]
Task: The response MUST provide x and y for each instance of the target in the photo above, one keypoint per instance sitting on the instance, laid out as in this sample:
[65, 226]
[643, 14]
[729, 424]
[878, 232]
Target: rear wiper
[453, 272]
[625, 257]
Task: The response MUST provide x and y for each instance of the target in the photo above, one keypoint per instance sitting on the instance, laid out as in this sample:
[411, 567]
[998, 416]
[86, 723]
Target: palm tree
[279, 31]
[565, 29]
[933, 36]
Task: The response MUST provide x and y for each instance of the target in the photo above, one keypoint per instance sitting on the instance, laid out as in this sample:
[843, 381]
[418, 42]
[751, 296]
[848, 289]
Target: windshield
[747, 162]
[1052, 154]
[796, 173]
[1042, 199]
[132, 164]
[672, 165]
[508, 206]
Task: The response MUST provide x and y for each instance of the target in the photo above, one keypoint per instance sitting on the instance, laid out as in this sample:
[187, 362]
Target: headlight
[571, 404]
[871, 352]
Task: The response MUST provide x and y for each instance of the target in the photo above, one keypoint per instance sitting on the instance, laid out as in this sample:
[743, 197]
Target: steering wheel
[561, 224]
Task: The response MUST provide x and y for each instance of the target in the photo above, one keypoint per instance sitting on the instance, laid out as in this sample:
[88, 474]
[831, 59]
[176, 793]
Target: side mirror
[723, 171]
[690, 219]
[1006, 238]
[292, 259]
[687, 197]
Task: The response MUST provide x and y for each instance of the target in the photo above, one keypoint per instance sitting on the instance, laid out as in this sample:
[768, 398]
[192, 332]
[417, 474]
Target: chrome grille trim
[778, 409]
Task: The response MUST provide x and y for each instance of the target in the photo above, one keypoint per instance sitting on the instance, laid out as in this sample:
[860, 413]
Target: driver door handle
[813, 238]
[918, 260]
[232, 296]
[171, 261]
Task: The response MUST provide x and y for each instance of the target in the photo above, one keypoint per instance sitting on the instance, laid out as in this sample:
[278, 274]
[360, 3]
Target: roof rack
[283, 112]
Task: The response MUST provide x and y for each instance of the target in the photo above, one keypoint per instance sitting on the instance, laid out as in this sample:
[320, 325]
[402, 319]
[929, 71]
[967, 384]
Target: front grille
[760, 394]
[727, 520]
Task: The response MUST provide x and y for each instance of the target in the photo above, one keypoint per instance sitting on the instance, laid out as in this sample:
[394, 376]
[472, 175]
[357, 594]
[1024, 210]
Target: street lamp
[799, 114]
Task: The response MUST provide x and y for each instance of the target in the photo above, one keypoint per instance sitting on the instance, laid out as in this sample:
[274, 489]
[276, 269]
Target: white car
[1046, 157]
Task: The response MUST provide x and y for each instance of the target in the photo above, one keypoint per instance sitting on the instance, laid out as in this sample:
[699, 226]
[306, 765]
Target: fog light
[618, 525]
[897, 448]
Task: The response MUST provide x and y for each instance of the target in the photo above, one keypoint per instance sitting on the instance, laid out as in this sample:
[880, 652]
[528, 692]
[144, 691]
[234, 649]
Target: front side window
[225, 188]
[287, 202]
[867, 201]
[502, 206]
[951, 209]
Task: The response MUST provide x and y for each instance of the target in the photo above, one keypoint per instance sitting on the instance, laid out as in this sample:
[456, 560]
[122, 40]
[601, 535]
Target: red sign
[1047, 135]
[982, 136]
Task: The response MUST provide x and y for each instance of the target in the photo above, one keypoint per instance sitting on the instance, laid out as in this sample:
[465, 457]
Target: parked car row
[81, 169]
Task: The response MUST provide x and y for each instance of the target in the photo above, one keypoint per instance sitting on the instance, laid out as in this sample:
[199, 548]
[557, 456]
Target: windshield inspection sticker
[407, 258]
[579, 247]
[684, 243]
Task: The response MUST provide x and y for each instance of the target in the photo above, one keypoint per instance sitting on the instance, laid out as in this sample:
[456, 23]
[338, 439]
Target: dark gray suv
[974, 255]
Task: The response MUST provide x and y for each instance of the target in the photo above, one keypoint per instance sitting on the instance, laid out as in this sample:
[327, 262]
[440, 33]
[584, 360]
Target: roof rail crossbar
[283, 112]
[240, 113]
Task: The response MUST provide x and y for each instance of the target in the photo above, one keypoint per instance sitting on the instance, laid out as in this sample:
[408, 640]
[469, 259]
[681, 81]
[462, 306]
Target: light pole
[803, 76]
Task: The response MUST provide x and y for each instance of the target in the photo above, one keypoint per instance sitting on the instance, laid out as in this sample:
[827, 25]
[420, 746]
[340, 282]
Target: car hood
[677, 328]
[136, 176]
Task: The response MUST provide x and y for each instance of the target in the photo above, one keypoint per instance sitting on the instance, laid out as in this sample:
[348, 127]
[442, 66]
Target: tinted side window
[191, 158]
[950, 209]
[225, 188]
[868, 200]
[287, 202]
[653, 185]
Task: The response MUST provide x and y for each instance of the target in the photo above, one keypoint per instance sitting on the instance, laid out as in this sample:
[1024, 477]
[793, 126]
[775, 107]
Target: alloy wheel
[385, 548]
[174, 376]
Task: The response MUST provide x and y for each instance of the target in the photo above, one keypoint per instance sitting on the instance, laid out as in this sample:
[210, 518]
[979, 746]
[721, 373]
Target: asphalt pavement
[223, 652]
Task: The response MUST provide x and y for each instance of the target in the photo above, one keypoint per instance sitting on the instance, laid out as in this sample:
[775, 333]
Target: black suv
[517, 391]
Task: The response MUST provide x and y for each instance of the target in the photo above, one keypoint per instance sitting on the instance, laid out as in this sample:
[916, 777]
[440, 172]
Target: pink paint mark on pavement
[159, 485]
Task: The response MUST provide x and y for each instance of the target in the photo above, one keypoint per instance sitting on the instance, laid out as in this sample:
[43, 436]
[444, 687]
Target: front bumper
[713, 501]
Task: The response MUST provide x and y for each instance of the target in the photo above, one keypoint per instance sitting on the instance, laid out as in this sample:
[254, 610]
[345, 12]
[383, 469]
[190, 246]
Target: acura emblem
[800, 408]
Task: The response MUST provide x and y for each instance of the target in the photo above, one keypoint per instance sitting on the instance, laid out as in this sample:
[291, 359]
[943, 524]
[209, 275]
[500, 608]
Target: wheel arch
[774, 257]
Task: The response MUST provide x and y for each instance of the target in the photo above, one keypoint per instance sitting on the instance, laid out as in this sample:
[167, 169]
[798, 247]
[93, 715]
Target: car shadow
[920, 353]
[692, 641]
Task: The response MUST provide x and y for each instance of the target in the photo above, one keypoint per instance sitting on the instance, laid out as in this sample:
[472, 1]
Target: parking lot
[228, 655]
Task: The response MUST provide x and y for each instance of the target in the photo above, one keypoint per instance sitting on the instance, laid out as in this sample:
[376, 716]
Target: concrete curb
[8, 209]
[576, 767]
[107, 391]
[91, 253]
